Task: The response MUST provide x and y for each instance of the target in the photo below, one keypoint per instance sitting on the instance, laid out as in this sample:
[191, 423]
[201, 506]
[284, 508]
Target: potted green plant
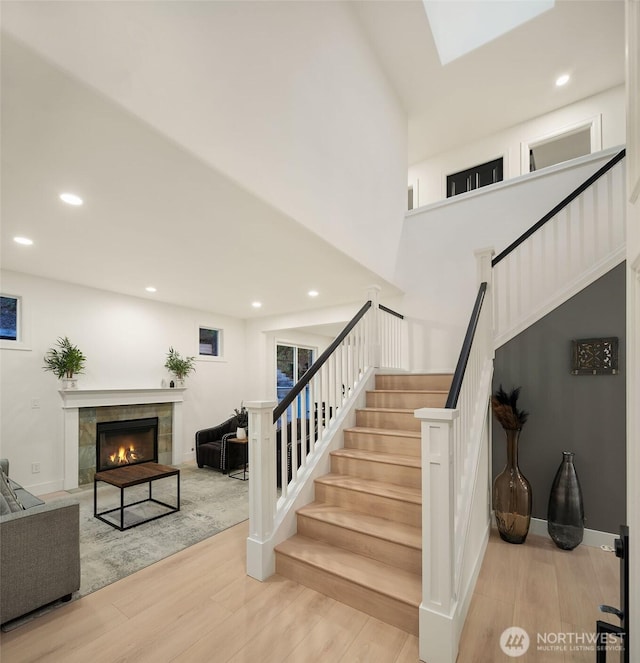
[242, 415]
[66, 361]
[179, 366]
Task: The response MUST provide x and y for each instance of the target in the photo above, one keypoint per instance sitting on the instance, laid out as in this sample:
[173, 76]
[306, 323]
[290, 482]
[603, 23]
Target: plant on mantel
[179, 366]
[65, 361]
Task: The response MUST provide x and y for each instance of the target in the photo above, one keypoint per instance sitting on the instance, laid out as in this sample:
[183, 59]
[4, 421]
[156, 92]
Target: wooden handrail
[458, 376]
[560, 206]
[317, 365]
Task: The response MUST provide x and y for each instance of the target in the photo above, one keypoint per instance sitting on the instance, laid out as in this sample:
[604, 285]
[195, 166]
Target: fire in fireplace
[126, 443]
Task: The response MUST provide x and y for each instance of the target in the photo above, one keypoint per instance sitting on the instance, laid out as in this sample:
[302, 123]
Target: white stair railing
[576, 243]
[286, 441]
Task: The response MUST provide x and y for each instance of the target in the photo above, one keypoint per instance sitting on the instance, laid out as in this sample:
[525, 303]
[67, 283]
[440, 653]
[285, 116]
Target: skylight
[460, 27]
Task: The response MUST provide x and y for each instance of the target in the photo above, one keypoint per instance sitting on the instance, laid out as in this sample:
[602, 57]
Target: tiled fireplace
[85, 409]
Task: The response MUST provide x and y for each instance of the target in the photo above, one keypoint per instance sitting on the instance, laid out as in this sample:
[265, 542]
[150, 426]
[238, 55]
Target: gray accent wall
[583, 414]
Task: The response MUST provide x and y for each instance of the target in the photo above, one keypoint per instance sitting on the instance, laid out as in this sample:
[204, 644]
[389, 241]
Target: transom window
[9, 318]
[475, 178]
[210, 342]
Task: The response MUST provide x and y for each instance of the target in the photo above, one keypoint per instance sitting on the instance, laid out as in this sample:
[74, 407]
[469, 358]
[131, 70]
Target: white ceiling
[502, 83]
[233, 248]
[153, 214]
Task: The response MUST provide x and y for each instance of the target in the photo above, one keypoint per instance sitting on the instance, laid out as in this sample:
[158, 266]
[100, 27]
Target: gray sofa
[39, 551]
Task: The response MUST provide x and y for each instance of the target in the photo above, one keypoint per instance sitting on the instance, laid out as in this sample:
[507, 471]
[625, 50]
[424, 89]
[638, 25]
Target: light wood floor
[199, 606]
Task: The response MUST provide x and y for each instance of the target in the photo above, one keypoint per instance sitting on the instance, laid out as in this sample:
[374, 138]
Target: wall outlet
[35, 468]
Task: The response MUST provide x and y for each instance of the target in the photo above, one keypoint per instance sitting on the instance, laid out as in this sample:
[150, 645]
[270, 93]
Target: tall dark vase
[512, 495]
[565, 515]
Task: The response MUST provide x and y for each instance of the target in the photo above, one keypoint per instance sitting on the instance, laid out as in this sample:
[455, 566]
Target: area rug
[209, 503]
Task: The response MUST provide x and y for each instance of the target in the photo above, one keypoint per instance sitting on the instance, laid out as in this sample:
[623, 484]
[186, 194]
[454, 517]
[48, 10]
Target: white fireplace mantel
[74, 399]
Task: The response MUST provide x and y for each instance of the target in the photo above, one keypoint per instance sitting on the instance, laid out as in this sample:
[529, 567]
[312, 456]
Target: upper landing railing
[572, 245]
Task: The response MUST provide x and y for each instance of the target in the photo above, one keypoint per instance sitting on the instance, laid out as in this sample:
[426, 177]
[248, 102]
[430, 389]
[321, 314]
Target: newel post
[438, 639]
[484, 269]
[262, 489]
[375, 350]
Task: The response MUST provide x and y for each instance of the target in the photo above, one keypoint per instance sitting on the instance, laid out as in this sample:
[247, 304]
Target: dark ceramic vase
[565, 515]
[512, 496]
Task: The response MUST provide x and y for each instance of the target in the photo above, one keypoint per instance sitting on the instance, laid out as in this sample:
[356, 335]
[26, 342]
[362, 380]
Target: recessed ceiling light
[562, 80]
[150, 288]
[256, 304]
[313, 293]
[71, 199]
[23, 240]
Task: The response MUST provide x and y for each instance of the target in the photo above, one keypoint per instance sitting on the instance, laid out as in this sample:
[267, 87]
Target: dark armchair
[213, 451]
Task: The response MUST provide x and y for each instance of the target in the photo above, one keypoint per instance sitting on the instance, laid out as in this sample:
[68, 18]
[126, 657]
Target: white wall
[429, 177]
[285, 97]
[633, 305]
[126, 340]
[436, 264]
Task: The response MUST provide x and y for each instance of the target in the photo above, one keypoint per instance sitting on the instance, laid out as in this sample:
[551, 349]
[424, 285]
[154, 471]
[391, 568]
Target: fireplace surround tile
[96, 403]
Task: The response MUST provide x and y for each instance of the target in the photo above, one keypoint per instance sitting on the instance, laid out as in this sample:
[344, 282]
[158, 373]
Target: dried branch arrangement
[505, 409]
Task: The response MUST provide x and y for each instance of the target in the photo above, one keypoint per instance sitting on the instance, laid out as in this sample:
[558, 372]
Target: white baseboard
[592, 537]
[44, 488]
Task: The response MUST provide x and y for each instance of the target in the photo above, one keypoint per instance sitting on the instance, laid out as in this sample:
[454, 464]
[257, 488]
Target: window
[474, 178]
[559, 149]
[569, 142]
[209, 342]
[9, 318]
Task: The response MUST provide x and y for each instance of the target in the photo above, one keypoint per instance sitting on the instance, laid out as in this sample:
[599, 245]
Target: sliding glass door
[292, 362]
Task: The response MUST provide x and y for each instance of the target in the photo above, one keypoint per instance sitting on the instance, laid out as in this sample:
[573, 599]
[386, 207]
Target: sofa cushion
[9, 495]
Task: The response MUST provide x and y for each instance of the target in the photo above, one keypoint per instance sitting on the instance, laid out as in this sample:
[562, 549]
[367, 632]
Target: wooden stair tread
[396, 583]
[380, 488]
[379, 457]
[368, 430]
[381, 528]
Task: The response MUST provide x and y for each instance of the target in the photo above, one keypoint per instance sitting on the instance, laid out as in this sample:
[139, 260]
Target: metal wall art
[594, 356]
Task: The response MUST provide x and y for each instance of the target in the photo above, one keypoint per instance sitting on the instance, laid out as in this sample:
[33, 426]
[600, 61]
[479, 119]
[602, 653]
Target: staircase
[360, 541]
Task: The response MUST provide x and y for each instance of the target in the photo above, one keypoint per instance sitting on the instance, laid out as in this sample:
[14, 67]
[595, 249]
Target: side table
[241, 475]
